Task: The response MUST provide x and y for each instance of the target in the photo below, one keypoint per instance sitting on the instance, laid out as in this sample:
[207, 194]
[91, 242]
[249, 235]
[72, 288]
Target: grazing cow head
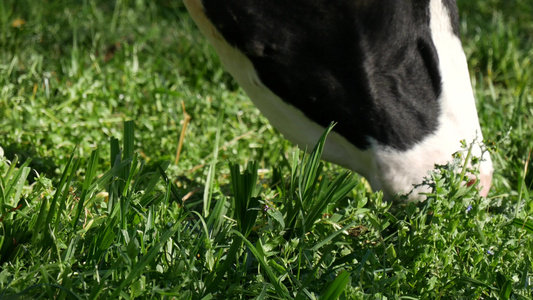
[392, 74]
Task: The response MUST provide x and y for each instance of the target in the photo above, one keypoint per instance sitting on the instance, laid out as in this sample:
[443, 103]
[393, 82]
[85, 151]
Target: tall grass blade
[170, 185]
[152, 183]
[113, 188]
[89, 176]
[146, 259]
[213, 279]
[335, 191]
[61, 190]
[210, 182]
[332, 236]
[261, 258]
[126, 197]
[335, 289]
[524, 224]
[127, 153]
[23, 294]
[313, 166]
[15, 185]
[7, 183]
[243, 187]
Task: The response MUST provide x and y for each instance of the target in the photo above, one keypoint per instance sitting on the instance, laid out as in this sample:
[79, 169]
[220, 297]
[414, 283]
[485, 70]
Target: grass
[94, 205]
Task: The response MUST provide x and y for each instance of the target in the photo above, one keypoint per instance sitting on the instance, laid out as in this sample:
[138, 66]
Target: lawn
[132, 166]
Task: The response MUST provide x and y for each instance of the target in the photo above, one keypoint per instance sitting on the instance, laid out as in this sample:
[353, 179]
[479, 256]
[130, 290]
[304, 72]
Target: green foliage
[246, 205]
[92, 208]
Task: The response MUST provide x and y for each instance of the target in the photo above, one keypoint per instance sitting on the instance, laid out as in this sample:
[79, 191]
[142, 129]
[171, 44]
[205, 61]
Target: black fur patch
[370, 66]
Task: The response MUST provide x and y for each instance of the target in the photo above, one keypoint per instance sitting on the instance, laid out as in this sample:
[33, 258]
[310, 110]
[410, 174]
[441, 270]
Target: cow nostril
[471, 182]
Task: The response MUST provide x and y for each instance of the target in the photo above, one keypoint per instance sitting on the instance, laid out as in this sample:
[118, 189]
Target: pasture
[133, 167]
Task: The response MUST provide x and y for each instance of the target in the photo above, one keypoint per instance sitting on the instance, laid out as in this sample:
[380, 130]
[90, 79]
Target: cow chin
[485, 176]
[485, 168]
[405, 172]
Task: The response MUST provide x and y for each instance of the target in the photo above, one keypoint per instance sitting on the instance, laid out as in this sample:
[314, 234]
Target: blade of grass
[213, 279]
[63, 200]
[15, 185]
[152, 183]
[61, 189]
[336, 190]
[335, 289]
[312, 165]
[210, 181]
[243, 187]
[9, 183]
[332, 236]
[89, 176]
[260, 256]
[146, 259]
[523, 224]
[127, 153]
[126, 197]
[113, 187]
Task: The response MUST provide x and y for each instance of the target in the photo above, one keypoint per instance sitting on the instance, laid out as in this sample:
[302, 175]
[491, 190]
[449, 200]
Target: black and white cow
[391, 73]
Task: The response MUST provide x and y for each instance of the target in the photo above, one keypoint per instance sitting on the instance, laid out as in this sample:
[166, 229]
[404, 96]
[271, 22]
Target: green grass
[94, 206]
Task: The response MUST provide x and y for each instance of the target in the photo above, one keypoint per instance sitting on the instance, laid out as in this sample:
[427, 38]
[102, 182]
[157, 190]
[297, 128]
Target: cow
[392, 74]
